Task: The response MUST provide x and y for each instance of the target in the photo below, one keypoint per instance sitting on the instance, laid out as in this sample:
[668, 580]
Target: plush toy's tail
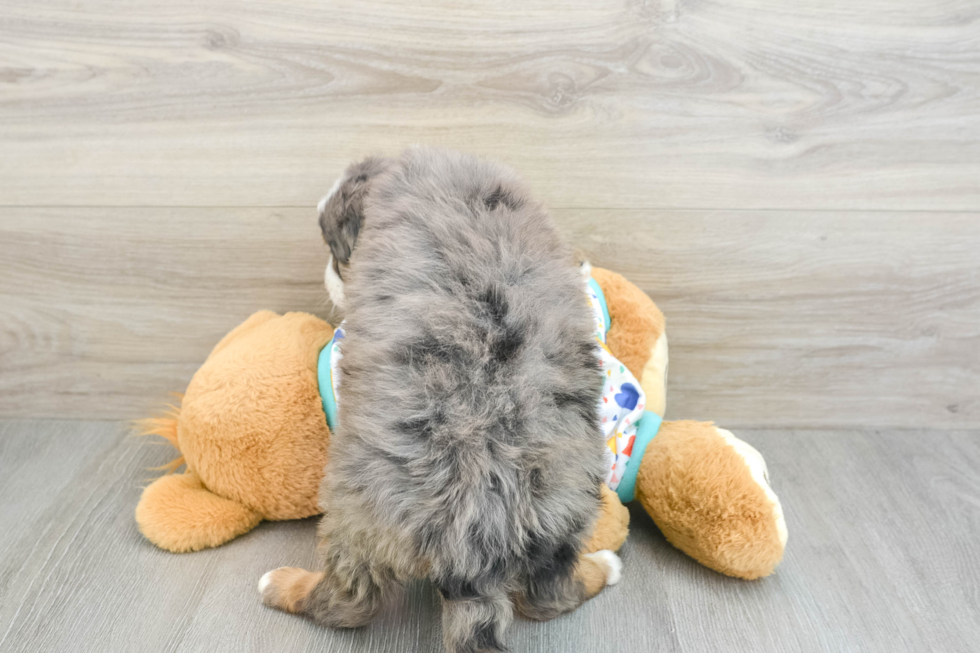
[166, 428]
[177, 512]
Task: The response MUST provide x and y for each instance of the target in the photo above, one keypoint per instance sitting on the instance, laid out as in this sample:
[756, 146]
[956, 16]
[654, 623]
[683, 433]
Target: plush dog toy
[253, 430]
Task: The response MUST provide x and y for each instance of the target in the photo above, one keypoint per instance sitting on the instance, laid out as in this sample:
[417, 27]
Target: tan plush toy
[253, 432]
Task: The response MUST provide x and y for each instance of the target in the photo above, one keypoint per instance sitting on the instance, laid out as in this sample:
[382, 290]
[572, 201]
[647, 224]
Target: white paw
[264, 581]
[614, 566]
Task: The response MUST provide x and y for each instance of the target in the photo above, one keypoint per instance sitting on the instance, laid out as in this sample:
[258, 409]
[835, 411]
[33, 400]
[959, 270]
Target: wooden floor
[882, 557]
[797, 184]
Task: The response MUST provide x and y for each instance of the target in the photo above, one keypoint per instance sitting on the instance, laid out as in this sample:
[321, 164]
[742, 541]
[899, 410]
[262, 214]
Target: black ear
[347, 225]
[343, 214]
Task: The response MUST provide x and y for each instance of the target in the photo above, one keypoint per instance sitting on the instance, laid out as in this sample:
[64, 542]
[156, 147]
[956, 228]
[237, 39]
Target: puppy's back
[468, 447]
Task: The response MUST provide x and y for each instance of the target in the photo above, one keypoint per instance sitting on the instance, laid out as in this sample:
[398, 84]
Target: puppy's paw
[612, 564]
[286, 588]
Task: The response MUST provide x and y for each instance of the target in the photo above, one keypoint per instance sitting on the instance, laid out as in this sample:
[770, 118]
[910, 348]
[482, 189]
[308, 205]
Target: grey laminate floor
[882, 557]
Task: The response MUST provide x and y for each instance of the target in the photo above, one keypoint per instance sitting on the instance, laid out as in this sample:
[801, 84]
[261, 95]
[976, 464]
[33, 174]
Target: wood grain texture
[881, 558]
[601, 104]
[775, 318]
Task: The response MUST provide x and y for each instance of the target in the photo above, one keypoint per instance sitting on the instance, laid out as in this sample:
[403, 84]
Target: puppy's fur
[468, 449]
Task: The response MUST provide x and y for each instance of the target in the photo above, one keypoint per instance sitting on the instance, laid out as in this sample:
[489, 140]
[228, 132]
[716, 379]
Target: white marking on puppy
[326, 198]
[612, 563]
[334, 285]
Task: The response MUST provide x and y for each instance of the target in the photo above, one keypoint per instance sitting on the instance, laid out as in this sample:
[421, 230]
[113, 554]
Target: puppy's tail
[474, 623]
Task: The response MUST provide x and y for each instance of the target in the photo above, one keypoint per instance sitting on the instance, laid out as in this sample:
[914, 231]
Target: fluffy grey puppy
[468, 449]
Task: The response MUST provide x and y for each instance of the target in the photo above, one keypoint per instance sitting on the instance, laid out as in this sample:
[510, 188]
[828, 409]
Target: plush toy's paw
[709, 494]
[286, 588]
[760, 474]
[179, 514]
[610, 562]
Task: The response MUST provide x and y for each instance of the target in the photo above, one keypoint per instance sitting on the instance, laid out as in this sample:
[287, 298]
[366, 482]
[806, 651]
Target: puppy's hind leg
[559, 587]
[348, 593]
[287, 588]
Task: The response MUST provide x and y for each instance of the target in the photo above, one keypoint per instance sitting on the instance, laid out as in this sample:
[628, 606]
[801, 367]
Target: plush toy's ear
[179, 514]
[709, 494]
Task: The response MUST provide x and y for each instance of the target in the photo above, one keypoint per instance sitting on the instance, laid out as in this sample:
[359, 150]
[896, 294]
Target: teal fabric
[646, 429]
[602, 300]
[326, 387]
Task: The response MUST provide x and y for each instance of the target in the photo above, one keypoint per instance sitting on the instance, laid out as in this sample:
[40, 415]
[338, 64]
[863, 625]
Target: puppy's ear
[342, 209]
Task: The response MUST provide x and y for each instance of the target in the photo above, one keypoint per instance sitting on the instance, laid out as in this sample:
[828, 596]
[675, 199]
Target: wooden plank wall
[797, 184]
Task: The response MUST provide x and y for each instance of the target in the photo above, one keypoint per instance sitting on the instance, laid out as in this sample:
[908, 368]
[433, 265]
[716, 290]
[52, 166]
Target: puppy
[468, 449]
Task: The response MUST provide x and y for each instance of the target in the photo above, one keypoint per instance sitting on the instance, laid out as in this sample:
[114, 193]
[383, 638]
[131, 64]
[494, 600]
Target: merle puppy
[468, 449]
